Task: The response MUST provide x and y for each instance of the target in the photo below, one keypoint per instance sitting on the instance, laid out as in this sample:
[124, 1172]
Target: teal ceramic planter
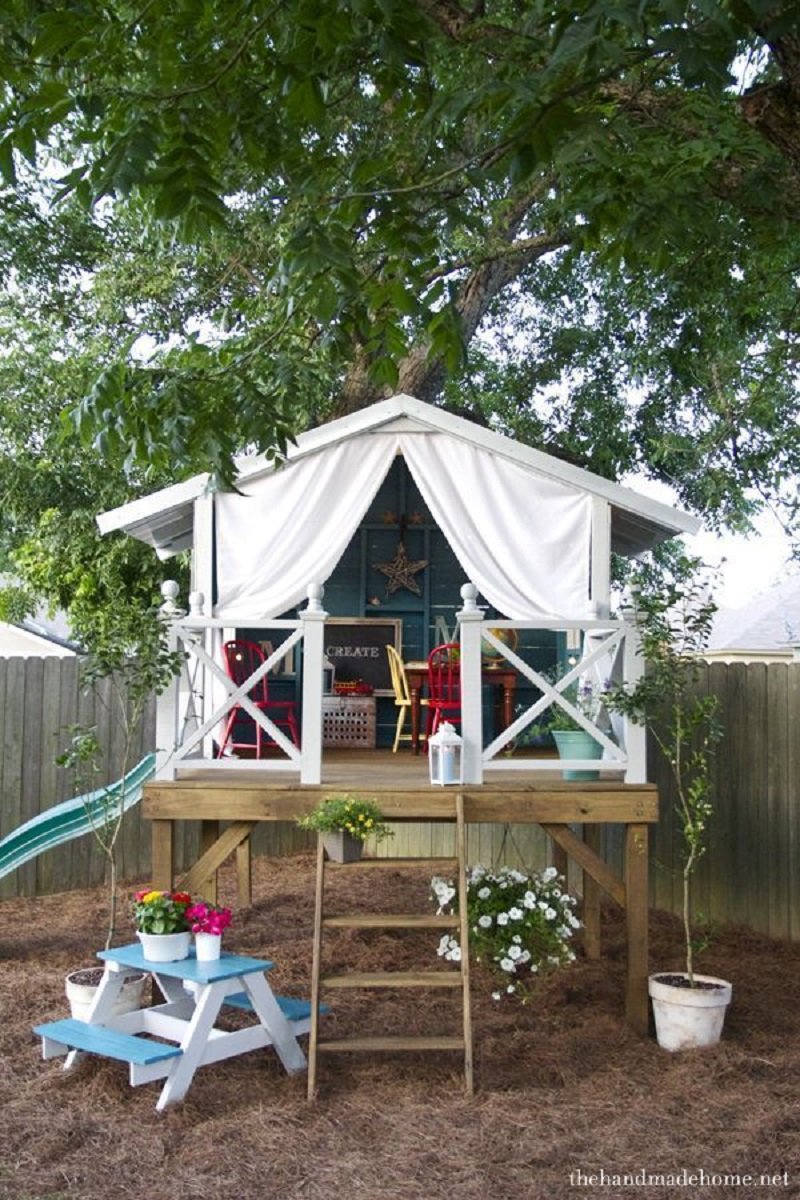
[576, 743]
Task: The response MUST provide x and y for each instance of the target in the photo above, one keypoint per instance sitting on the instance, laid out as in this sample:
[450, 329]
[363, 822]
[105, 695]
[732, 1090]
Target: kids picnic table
[195, 993]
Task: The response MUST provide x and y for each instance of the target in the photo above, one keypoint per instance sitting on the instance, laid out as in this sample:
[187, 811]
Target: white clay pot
[687, 1018]
[165, 947]
[207, 946]
[81, 988]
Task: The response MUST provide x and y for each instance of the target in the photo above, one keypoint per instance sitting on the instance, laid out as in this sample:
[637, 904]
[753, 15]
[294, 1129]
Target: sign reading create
[356, 648]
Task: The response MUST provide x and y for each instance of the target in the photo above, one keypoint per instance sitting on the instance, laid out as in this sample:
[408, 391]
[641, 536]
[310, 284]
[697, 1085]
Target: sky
[748, 566]
[751, 565]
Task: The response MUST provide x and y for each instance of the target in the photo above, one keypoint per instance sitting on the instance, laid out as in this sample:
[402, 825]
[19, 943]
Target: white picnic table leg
[101, 1007]
[269, 1014]
[193, 1045]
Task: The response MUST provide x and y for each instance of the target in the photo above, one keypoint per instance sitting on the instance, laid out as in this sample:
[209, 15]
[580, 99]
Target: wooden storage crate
[348, 721]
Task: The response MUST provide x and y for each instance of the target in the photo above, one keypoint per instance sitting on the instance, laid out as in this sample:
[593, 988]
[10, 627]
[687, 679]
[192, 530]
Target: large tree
[576, 220]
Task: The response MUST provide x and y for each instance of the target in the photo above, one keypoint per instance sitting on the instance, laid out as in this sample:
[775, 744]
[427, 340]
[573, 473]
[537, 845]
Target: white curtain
[521, 538]
[291, 527]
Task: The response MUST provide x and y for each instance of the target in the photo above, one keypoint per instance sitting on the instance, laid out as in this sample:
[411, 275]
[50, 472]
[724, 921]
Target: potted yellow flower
[345, 822]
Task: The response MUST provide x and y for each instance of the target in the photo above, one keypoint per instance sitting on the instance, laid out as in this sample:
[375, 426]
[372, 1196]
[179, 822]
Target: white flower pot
[207, 946]
[165, 947]
[81, 988]
[686, 1017]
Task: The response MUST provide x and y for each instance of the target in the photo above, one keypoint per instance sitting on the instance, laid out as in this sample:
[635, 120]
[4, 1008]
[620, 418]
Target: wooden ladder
[453, 979]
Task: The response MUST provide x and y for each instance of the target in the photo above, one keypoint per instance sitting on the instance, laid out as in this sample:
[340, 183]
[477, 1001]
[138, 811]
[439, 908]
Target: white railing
[610, 652]
[199, 700]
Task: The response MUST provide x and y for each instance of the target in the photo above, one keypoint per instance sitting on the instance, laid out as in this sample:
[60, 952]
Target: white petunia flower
[514, 952]
[506, 964]
[515, 913]
[485, 921]
[484, 893]
[529, 900]
[549, 873]
[502, 918]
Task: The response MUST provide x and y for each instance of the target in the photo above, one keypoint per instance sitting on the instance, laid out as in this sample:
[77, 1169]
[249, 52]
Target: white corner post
[633, 670]
[469, 620]
[313, 618]
[600, 567]
[201, 604]
[168, 703]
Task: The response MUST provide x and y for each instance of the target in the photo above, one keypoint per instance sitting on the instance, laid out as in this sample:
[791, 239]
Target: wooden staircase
[455, 978]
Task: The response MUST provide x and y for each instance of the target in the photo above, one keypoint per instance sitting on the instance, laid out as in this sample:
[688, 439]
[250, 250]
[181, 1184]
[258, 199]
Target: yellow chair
[402, 696]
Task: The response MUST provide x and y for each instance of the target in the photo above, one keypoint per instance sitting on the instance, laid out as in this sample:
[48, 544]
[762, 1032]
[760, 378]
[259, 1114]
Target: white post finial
[170, 591]
[469, 594]
[197, 603]
[315, 592]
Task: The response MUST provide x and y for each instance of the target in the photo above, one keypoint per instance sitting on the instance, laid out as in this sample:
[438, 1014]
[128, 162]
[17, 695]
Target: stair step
[394, 979]
[110, 1043]
[401, 1042]
[390, 921]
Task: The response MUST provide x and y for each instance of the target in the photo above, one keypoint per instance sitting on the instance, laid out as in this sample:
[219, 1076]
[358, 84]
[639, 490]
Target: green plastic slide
[74, 817]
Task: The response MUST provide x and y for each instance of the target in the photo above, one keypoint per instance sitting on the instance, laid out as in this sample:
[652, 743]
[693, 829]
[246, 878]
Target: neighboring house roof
[29, 640]
[768, 624]
[164, 519]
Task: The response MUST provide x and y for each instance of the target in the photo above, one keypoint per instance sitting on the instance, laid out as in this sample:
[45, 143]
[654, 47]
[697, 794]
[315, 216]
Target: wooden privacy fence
[39, 699]
[750, 874]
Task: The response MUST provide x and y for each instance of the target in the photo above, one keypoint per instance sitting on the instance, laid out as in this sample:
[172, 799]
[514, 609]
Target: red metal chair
[242, 659]
[444, 686]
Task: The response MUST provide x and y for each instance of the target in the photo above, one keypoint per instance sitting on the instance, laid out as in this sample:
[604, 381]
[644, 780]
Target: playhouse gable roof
[164, 519]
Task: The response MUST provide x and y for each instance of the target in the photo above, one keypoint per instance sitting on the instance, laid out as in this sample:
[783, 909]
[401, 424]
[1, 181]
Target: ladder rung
[390, 921]
[400, 1042]
[394, 979]
[439, 863]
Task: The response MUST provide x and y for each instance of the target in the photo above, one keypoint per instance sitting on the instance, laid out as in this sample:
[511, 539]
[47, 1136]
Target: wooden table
[195, 993]
[496, 677]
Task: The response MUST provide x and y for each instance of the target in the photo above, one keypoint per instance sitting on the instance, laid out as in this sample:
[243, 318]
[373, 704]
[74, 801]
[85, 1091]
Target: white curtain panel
[521, 538]
[291, 527]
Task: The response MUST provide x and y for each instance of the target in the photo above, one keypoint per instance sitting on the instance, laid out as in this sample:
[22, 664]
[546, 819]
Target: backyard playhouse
[441, 531]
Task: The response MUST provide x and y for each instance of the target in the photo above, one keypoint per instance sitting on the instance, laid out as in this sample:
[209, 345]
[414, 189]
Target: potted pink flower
[207, 922]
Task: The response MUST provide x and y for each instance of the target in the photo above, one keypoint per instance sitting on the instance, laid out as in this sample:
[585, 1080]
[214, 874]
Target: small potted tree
[130, 651]
[674, 622]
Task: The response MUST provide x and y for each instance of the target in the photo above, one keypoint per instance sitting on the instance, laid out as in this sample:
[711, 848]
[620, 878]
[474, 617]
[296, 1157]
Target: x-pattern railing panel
[236, 695]
[610, 642]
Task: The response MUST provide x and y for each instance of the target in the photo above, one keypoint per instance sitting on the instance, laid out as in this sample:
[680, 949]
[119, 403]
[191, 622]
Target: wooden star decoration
[389, 518]
[401, 570]
[416, 518]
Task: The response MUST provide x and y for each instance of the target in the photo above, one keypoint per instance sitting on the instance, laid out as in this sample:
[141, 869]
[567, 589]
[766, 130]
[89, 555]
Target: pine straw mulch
[563, 1085]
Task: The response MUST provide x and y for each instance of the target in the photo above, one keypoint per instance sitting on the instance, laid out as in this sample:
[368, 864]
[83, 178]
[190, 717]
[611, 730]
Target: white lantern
[444, 755]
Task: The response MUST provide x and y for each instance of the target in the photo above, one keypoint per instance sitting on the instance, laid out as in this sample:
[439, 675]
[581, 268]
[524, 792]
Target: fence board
[777, 790]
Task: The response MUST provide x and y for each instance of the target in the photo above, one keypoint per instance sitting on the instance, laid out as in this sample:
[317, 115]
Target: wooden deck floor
[402, 785]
